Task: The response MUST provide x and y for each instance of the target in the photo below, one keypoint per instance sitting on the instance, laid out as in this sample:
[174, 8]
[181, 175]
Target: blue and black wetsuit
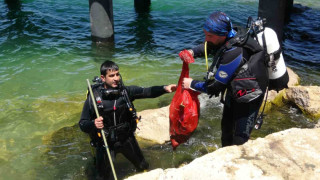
[118, 123]
[229, 63]
[238, 118]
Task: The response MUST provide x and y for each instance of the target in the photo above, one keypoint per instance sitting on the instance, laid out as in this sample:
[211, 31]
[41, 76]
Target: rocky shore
[290, 154]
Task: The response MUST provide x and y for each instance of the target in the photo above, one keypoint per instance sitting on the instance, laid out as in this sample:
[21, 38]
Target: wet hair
[108, 66]
[220, 24]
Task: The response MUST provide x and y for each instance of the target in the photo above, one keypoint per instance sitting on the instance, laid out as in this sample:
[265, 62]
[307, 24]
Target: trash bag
[184, 109]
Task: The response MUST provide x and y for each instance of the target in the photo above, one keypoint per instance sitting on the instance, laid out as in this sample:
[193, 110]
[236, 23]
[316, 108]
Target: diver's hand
[186, 56]
[186, 83]
[170, 88]
[99, 122]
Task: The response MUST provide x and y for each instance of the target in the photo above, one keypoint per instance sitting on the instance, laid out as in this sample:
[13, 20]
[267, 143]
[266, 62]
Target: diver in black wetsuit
[238, 119]
[116, 118]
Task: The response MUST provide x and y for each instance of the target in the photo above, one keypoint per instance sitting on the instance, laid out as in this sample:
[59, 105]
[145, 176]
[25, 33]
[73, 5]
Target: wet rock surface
[289, 154]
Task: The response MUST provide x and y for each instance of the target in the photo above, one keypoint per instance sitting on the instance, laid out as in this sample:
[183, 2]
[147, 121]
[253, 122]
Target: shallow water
[46, 55]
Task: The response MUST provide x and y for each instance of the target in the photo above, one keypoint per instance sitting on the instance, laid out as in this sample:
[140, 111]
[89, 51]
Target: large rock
[294, 79]
[307, 98]
[276, 98]
[154, 125]
[290, 154]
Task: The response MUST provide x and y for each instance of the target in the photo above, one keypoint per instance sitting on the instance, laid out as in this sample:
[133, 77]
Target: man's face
[111, 79]
[214, 39]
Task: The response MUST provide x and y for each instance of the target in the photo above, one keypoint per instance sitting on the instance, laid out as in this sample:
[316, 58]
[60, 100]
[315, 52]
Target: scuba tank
[277, 70]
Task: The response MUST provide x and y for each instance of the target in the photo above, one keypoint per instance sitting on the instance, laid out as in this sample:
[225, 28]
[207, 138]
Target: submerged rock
[289, 154]
[154, 125]
[5, 154]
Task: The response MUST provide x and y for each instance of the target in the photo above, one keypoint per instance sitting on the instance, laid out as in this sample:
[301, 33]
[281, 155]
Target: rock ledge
[290, 154]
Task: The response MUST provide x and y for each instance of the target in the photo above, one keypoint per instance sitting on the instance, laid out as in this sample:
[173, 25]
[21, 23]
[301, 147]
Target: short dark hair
[108, 66]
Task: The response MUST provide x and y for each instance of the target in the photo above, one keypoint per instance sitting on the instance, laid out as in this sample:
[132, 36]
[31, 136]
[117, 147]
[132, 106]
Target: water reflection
[19, 19]
[141, 28]
[13, 6]
[142, 6]
[301, 43]
[302, 38]
[102, 51]
[139, 32]
[16, 16]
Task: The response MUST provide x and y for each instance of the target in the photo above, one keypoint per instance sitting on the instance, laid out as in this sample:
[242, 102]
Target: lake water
[46, 55]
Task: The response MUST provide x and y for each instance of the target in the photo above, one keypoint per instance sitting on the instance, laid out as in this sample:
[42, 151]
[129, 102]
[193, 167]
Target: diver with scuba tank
[118, 118]
[245, 65]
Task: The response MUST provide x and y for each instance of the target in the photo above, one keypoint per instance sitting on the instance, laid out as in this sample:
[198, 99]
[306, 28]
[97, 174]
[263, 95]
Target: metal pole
[102, 131]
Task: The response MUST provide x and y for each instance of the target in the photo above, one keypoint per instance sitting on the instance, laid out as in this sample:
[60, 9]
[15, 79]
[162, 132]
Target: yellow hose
[205, 54]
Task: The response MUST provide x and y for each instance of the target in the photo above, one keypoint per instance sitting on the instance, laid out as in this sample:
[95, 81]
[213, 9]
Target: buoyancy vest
[117, 118]
[252, 77]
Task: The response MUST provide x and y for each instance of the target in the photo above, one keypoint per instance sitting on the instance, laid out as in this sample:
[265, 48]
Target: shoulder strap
[217, 57]
[129, 104]
[97, 95]
[238, 40]
[277, 53]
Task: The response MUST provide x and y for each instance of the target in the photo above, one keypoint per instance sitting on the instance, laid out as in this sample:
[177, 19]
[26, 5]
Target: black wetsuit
[238, 119]
[119, 125]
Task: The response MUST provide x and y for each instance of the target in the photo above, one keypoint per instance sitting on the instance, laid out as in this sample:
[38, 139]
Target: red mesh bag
[184, 109]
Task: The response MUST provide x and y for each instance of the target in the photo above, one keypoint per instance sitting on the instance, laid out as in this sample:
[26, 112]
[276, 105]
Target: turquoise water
[46, 55]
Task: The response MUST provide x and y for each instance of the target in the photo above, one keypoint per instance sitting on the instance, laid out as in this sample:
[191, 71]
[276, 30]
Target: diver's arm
[85, 123]
[136, 92]
[210, 87]
[229, 63]
[198, 86]
[198, 51]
